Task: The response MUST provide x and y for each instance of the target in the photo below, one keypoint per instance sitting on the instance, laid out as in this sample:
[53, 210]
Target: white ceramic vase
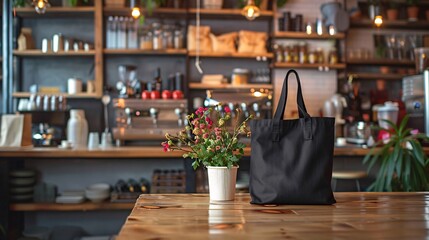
[77, 129]
[222, 183]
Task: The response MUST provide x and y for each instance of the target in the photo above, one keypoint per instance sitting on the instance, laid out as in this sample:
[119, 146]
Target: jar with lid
[295, 54]
[278, 52]
[239, 76]
[287, 56]
[178, 39]
[333, 56]
[312, 57]
[146, 39]
[303, 58]
[167, 37]
[157, 36]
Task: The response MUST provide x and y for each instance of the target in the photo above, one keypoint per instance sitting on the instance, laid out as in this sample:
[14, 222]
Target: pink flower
[209, 121]
[200, 110]
[414, 131]
[165, 146]
[217, 148]
[206, 135]
[218, 137]
[202, 125]
[227, 109]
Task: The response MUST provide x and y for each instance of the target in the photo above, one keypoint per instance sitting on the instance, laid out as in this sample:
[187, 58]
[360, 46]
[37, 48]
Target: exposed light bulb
[251, 11]
[40, 6]
[378, 21]
[135, 12]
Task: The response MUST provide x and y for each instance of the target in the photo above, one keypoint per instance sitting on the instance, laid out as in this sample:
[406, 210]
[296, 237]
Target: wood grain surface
[354, 216]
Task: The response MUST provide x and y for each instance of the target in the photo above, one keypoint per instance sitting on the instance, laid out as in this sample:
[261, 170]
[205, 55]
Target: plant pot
[222, 183]
[213, 4]
[413, 13]
[392, 14]
[114, 3]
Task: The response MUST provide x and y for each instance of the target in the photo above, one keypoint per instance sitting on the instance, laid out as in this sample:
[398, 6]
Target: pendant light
[40, 6]
[251, 11]
[378, 20]
[135, 10]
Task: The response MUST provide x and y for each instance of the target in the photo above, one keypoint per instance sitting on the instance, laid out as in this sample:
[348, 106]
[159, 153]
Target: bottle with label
[122, 33]
[132, 33]
[157, 80]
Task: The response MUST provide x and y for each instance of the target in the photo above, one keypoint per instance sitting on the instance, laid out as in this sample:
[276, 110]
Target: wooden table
[354, 216]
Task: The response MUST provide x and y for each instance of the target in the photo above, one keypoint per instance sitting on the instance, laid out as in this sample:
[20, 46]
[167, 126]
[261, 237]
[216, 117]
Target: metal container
[58, 43]
[46, 45]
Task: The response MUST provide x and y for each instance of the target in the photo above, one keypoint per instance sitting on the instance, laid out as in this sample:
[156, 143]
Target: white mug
[94, 140]
[74, 85]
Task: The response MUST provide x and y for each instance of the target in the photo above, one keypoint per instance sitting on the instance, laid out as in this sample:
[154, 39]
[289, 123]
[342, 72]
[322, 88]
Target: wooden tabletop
[130, 152]
[354, 216]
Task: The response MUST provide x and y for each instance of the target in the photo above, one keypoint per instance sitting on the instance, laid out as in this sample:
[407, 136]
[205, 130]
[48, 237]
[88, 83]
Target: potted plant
[412, 10]
[213, 145]
[392, 10]
[403, 163]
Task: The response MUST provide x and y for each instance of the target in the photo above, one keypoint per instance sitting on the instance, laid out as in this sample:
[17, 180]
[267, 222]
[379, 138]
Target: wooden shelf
[227, 13]
[29, 12]
[39, 53]
[374, 76]
[309, 66]
[86, 206]
[303, 35]
[157, 12]
[397, 24]
[167, 52]
[228, 86]
[389, 62]
[231, 55]
[80, 95]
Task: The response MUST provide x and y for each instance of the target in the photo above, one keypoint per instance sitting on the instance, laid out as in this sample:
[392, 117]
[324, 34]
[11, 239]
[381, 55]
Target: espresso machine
[416, 100]
[147, 121]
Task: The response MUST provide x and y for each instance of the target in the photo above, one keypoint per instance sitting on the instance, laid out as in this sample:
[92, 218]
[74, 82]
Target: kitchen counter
[361, 215]
[131, 152]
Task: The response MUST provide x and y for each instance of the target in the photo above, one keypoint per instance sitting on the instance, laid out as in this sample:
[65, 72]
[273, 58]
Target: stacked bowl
[98, 192]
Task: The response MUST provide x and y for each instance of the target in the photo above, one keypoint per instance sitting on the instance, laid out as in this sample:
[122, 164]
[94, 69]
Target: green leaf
[403, 124]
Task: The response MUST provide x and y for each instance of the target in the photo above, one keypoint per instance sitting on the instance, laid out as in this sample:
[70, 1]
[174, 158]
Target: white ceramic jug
[77, 129]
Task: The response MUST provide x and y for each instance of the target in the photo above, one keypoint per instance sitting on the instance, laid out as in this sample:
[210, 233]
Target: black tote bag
[291, 160]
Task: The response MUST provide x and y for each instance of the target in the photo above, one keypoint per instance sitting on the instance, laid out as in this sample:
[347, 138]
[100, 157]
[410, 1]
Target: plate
[70, 199]
[23, 173]
[21, 190]
[21, 197]
[22, 181]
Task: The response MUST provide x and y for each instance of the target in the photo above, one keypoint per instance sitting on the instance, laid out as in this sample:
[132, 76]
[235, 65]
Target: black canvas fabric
[291, 160]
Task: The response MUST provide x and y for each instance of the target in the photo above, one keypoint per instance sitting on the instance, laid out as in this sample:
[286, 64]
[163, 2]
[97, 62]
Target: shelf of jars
[378, 61]
[78, 95]
[39, 53]
[157, 12]
[229, 13]
[318, 66]
[257, 56]
[207, 86]
[398, 24]
[304, 35]
[373, 76]
[56, 12]
[168, 52]
[86, 206]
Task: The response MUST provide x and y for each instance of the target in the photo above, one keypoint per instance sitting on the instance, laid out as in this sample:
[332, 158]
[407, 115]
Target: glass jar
[287, 56]
[333, 56]
[278, 52]
[239, 76]
[146, 39]
[167, 37]
[312, 57]
[295, 54]
[320, 56]
[303, 57]
[157, 36]
[178, 39]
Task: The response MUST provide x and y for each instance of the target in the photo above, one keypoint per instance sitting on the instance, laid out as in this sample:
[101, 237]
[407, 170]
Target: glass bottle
[157, 36]
[132, 33]
[303, 58]
[320, 56]
[121, 33]
[333, 56]
[278, 52]
[287, 56]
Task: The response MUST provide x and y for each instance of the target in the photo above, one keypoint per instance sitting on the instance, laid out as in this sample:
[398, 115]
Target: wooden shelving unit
[80, 95]
[309, 65]
[39, 53]
[29, 12]
[303, 35]
[231, 55]
[166, 52]
[86, 206]
[374, 76]
[397, 24]
[229, 86]
[157, 12]
[387, 62]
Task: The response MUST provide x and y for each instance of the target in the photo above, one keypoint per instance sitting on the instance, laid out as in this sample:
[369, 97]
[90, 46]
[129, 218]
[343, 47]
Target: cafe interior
[91, 88]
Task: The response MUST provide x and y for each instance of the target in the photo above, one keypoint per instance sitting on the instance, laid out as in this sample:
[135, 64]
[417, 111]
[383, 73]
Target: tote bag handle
[278, 116]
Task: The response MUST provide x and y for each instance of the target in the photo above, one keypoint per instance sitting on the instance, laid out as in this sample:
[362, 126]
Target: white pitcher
[77, 128]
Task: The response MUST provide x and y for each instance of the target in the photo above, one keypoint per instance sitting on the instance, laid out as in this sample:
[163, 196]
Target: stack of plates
[22, 185]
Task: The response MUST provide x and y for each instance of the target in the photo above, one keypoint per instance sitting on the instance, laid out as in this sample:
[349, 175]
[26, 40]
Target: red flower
[165, 146]
[209, 121]
[227, 109]
[200, 110]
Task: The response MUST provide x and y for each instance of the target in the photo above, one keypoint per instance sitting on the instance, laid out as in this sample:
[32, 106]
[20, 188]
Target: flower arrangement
[207, 138]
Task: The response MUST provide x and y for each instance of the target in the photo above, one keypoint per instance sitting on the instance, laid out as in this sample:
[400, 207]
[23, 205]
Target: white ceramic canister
[77, 128]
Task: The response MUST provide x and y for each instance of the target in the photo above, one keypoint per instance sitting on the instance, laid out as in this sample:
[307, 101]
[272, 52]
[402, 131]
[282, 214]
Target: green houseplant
[403, 163]
[213, 144]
